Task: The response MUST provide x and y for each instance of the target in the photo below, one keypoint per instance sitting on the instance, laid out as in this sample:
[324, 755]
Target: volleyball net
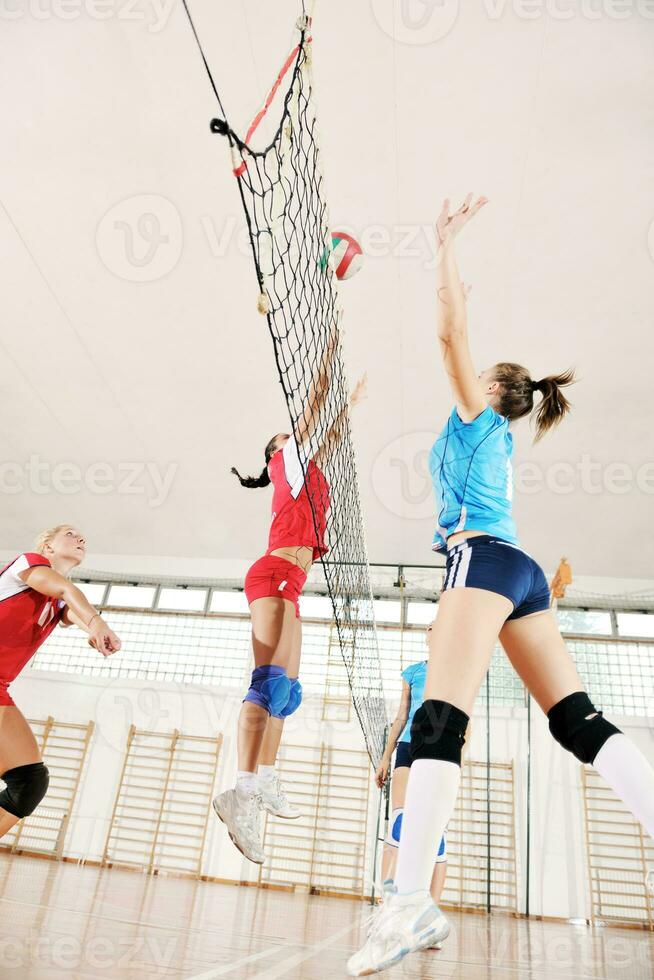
[282, 191]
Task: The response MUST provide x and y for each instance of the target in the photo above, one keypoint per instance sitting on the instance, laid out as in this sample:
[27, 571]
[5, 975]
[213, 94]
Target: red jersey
[26, 617]
[293, 522]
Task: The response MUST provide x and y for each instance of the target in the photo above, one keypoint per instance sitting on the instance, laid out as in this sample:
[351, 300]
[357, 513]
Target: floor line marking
[291, 961]
[221, 971]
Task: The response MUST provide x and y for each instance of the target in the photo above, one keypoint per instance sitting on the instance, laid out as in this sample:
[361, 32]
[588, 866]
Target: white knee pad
[441, 857]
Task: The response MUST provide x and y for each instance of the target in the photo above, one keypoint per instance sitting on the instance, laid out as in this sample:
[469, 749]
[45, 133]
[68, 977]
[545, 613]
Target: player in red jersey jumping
[273, 586]
[35, 595]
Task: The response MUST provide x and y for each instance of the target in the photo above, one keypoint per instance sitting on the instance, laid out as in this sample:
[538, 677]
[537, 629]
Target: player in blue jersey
[399, 738]
[492, 589]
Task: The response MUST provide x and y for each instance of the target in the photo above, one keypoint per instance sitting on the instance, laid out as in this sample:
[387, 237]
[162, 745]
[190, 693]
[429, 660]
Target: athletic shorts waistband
[482, 539]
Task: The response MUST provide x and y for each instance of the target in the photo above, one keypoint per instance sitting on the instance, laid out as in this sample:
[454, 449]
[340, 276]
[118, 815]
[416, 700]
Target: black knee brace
[579, 727]
[26, 787]
[438, 732]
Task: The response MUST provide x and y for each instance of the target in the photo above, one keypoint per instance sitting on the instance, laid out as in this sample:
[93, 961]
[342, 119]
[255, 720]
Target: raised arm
[396, 730]
[307, 422]
[452, 317]
[79, 610]
[334, 434]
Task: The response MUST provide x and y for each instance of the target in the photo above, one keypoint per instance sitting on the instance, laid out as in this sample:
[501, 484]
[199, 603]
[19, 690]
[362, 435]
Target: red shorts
[272, 576]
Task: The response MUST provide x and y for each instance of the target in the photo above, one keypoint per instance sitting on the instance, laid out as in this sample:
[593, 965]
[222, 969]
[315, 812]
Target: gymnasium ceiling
[119, 369]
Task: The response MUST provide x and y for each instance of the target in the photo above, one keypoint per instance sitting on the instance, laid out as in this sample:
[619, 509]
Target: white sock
[630, 776]
[247, 782]
[265, 773]
[430, 798]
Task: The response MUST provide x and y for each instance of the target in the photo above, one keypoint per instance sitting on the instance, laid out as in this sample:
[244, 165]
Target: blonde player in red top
[273, 586]
[35, 595]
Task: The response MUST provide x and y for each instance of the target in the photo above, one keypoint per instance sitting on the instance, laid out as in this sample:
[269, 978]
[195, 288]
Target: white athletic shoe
[405, 924]
[240, 812]
[388, 889]
[275, 800]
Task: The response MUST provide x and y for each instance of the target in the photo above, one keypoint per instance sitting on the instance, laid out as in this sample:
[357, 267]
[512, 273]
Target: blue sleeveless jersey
[470, 465]
[415, 676]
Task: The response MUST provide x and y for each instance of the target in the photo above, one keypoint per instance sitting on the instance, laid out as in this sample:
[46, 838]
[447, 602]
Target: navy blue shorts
[494, 565]
[402, 756]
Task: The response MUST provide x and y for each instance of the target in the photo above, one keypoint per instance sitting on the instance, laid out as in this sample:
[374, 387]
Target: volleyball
[348, 256]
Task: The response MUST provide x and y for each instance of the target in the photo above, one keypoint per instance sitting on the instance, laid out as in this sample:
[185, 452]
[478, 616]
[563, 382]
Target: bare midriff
[300, 555]
[462, 535]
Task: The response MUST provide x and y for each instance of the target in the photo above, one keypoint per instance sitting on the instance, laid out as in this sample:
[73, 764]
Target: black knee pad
[574, 729]
[26, 787]
[438, 732]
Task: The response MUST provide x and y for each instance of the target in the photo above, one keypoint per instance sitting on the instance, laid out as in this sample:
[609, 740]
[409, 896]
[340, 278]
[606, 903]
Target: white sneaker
[388, 888]
[275, 800]
[240, 812]
[405, 923]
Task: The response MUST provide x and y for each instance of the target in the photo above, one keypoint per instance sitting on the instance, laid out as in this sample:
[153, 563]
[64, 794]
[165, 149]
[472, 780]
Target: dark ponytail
[253, 482]
[516, 395]
[554, 405]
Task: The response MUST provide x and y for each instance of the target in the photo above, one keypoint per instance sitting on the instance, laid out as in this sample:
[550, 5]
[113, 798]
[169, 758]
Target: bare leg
[461, 644]
[398, 792]
[271, 740]
[438, 881]
[539, 655]
[18, 747]
[273, 635]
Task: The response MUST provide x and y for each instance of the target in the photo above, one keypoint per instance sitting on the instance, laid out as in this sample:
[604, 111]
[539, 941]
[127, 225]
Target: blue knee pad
[395, 828]
[270, 688]
[294, 701]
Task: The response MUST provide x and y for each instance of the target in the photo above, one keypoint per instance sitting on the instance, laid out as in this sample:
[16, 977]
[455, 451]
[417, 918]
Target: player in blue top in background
[492, 590]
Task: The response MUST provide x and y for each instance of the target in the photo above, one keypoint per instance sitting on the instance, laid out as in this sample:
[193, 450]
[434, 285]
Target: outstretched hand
[360, 390]
[449, 225]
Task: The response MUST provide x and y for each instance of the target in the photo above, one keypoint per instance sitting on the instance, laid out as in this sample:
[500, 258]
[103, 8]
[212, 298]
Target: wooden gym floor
[68, 922]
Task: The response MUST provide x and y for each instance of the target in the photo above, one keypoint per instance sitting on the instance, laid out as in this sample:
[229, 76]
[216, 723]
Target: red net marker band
[238, 171]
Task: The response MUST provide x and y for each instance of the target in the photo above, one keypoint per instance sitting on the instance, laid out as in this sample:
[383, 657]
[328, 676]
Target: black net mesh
[282, 191]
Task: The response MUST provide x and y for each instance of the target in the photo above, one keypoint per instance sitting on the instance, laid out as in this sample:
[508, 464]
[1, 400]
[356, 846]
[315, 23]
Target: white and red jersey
[293, 523]
[26, 617]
